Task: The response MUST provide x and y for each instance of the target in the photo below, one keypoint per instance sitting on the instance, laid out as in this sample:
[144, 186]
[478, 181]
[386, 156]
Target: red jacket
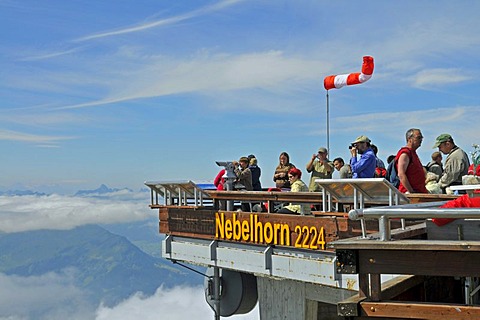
[219, 180]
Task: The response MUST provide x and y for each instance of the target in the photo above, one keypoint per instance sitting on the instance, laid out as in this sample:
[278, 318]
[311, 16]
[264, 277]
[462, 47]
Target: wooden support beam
[401, 245]
[327, 294]
[419, 262]
[398, 285]
[390, 289]
[412, 310]
[375, 287]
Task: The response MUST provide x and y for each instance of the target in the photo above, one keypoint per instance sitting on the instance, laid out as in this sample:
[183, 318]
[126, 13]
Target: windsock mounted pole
[341, 80]
[328, 124]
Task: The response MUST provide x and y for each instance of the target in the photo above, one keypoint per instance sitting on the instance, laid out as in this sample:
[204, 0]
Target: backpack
[392, 176]
[380, 172]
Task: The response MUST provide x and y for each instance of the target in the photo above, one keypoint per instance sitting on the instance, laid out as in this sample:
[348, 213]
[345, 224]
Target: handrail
[420, 211]
[304, 197]
[411, 211]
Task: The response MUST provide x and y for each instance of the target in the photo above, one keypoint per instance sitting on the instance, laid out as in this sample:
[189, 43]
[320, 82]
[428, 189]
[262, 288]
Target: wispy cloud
[391, 126]
[431, 120]
[50, 55]
[439, 77]
[271, 70]
[26, 137]
[163, 22]
[43, 119]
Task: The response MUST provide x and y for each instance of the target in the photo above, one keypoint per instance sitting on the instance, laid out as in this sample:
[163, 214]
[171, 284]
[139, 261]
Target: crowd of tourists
[410, 174]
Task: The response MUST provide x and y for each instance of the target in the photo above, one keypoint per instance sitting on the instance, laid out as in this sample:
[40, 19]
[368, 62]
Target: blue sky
[120, 92]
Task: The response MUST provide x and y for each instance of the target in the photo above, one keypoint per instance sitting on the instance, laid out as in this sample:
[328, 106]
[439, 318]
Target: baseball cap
[444, 137]
[362, 139]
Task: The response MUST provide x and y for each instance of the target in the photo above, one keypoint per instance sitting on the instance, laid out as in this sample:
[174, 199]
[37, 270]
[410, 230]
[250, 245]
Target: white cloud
[271, 70]
[26, 213]
[27, 137]
[43, 119]
[442, 119]
[164, 22]
[179, 303]
[439, 77]
[51, 296]
[391, 126]
[50, 55]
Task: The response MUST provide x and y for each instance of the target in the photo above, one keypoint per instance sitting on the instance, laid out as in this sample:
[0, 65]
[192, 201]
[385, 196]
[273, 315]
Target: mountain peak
[100, 190]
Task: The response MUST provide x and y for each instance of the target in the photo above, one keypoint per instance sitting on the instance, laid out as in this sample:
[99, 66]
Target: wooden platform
[448, 264]
[325, 255]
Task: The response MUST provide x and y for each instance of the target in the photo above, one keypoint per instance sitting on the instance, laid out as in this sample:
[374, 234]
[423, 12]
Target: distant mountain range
[21, 193]
[109, 266]
[103, 189]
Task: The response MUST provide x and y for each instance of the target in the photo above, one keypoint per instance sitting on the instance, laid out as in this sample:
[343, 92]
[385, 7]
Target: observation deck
[303, 267]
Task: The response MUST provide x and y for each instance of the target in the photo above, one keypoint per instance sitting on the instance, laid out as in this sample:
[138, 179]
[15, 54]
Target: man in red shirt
[409, 167]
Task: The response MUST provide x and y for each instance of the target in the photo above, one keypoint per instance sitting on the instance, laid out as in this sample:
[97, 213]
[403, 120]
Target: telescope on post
[229, 177]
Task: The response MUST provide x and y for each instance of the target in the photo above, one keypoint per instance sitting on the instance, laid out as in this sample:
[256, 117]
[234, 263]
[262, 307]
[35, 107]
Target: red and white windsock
[341, 80]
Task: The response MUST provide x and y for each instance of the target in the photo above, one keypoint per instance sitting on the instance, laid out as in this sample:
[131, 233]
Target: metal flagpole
[328, 125]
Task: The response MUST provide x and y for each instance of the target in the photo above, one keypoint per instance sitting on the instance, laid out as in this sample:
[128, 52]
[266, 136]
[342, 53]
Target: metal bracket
[347, 309]
[213, 250]
[347, 262]
[268, 258]
[168, 244]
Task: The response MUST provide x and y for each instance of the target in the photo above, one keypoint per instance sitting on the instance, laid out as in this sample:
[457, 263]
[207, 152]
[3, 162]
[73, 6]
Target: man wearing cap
[408, 164]
[244, 177]
[243, 173]
[365, 166]
[320, 167]
[456, 164]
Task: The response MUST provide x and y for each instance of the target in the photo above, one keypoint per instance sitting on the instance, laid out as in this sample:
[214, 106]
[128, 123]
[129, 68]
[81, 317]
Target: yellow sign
[254, 231]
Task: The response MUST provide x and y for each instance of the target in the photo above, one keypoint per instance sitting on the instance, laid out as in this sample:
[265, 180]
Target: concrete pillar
[284, 299]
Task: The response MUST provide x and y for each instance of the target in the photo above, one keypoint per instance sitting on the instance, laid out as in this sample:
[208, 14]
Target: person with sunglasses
[409, 167]
[297, 185]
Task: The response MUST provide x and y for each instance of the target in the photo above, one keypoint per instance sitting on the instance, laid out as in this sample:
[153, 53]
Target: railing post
[384, 228]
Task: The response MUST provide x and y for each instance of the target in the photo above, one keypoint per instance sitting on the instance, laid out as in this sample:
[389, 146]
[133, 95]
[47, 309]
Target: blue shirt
[365, 166]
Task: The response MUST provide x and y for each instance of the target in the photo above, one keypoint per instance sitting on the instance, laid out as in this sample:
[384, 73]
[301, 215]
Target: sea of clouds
[54, 296]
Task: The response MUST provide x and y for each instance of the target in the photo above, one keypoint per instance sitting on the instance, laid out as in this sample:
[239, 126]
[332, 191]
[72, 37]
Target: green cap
[444, 137]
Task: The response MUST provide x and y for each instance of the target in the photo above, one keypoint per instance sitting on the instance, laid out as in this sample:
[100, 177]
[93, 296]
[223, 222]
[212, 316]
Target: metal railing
[411, 211]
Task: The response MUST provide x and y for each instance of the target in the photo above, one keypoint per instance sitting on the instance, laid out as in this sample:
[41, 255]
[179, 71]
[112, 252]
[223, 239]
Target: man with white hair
[409, 167]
